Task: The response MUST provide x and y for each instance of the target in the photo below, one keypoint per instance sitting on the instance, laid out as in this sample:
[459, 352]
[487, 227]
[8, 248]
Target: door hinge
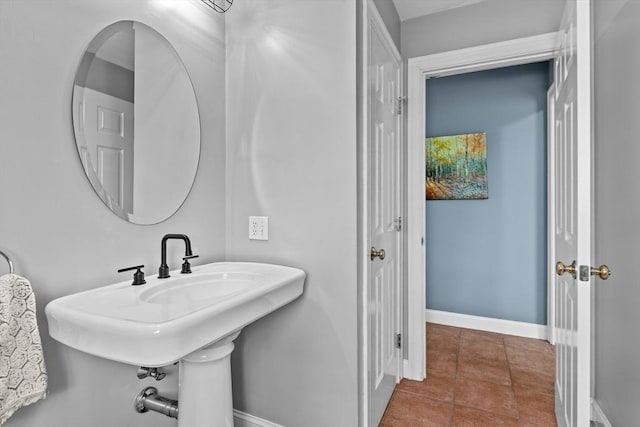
[397, 224]
[401, 101]
[398, 340]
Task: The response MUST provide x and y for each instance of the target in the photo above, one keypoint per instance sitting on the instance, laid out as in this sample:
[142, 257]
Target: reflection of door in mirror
[104, 114]
[108, 126]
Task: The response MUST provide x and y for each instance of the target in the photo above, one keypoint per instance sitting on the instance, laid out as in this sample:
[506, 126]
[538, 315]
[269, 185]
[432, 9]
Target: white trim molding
[501, 326]
[597, 415]
[551, 217]
[242, 419]
[495, 55]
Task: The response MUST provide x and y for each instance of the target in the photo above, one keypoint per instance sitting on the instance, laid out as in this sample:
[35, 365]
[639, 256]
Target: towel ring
[8, 260]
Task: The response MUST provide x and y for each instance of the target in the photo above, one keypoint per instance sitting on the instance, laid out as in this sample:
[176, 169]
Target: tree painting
[456, 167]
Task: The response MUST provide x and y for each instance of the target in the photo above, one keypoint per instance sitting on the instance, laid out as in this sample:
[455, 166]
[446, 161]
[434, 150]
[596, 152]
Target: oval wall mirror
[136, 122]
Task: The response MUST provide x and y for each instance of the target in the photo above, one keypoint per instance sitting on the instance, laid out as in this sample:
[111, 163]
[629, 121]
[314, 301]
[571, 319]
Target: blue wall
[488, 257]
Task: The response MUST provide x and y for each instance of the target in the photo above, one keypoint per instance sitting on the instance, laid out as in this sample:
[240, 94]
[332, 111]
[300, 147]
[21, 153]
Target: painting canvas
[456, 167]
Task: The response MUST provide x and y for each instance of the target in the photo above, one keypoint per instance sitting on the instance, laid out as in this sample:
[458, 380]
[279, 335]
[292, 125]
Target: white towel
[23, 377]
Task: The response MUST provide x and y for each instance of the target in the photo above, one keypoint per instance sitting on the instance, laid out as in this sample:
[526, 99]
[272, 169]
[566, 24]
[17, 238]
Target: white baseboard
[242, 419]
[407, 373]
[501, 326]
[598, 415]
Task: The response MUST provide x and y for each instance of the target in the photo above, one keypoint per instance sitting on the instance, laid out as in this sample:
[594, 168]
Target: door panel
[384, 197]
[572, 169]
[111, 172]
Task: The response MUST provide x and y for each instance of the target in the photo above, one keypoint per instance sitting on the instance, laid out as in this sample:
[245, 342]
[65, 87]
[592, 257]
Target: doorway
[497, 55]
[486, 198]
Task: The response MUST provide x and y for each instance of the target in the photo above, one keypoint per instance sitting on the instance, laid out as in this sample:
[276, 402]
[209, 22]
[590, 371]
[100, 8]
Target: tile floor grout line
[455, 379]
[513, 391]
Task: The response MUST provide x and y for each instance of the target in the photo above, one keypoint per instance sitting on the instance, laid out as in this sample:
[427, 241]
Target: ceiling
[408, 9]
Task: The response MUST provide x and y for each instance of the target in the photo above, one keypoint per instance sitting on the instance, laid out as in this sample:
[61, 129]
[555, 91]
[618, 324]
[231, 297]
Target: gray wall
[106, 77]
[617, 209]
[291, 156]
[56, 230]
[489, 21]
[389, 15]
[509, 228]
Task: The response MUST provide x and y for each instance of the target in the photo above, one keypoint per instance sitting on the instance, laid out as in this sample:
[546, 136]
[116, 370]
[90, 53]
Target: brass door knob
[561, 268]
[603, 272]
[376, 253]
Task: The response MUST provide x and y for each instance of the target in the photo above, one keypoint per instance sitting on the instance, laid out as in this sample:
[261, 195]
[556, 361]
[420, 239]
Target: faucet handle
[138, 276]
[186, 267]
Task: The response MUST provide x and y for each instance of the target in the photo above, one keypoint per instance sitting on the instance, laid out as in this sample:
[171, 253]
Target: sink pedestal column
[204, 395]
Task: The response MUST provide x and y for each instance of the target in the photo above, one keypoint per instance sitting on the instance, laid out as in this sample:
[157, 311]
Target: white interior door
[384, 205]
[107, 124]
[572, 122]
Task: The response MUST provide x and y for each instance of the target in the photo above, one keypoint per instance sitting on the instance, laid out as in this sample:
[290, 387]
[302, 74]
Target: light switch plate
[259, 228]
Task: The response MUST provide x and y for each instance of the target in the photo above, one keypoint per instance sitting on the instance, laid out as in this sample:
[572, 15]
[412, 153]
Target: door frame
[519, 51]
[370, 16]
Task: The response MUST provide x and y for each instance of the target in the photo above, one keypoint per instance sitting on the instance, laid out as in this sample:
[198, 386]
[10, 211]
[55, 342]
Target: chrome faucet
[163, 271]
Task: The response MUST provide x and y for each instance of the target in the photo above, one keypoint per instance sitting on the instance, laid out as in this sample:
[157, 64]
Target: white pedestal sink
[203, 374]
[190, 318]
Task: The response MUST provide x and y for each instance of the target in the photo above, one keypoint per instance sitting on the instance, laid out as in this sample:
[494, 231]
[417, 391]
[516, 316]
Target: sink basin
[201, 289]
[165, 320]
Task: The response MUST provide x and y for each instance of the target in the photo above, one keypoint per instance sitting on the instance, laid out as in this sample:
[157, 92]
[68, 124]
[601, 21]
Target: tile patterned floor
[478, 379]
